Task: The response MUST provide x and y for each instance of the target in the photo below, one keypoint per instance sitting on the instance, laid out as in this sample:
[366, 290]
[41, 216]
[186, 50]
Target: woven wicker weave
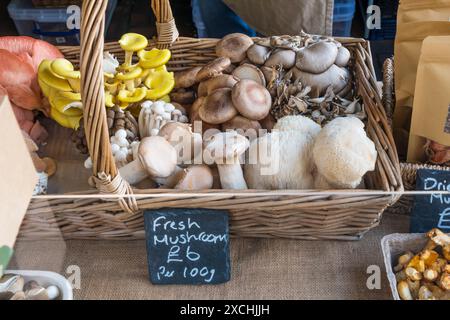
[281, 213]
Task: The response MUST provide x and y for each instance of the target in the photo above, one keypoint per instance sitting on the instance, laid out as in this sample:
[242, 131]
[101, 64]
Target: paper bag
[431, 111]
[423, 10]
[408, 46]
[17, 180]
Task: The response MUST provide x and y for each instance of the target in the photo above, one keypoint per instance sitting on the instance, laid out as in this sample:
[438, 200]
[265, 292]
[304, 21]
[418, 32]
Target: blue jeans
[214, 19]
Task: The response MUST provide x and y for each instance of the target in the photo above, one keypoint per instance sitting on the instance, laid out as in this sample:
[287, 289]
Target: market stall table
[261, 269]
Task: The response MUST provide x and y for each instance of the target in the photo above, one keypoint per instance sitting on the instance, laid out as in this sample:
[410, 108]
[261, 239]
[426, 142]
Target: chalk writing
[187, 246]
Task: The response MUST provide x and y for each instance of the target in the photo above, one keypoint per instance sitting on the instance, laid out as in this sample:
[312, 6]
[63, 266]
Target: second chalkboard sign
[431, 210]
[187, 246]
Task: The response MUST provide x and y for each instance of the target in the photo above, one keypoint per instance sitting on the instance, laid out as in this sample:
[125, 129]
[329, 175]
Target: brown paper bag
[423, 10]
[431, 111]
[408, 44]
[17, 180]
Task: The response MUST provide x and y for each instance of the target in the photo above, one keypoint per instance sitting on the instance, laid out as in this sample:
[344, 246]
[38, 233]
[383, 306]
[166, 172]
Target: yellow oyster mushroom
[109, 99]
[160, 83]
[154, 58]
[137, 95]
[166, 99]
[130, 43]
[71, 122]
[75, 96]
[67, 107]
[65, 69]
[129, 77]
[47, 80]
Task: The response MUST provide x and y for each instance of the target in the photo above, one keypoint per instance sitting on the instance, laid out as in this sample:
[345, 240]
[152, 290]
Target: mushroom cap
[157, 156]
[225, 146]
[131, 75]
[213, 69]
[133, 42]
[220, 81]
[248, 71]
[49, 79]
[251, 99]
[64, 69]
[154, 58]
[181, 137]
[197, 177]
[285, 58]
[241, 123]
[234, 46]
[187, 78]
[132, 96]
[258, 54]
[218, 107]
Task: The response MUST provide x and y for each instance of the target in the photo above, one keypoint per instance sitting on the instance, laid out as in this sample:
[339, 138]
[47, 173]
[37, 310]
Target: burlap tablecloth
[261, 269]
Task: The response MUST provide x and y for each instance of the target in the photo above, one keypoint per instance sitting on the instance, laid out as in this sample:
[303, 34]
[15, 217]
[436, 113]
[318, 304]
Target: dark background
[137, 16]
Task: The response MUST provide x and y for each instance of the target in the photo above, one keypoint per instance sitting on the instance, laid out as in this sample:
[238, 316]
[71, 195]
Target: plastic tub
[45, 279]
[49, 24]
[344, 10]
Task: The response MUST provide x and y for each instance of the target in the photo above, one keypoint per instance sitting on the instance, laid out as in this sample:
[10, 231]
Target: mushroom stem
[231, 176]
[133, 172]
[128, 58]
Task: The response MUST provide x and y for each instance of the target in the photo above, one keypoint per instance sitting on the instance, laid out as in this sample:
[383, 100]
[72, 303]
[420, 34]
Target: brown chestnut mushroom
[202, 90]
[268, 122]
[258, 54]
[243, 126]
[221, 81]
[182, 96]
[250, 72]
[197, 123]
[212, 69]
[234, 46]
[187, 78]
[218, 107]
[285, 58]
[251, 99]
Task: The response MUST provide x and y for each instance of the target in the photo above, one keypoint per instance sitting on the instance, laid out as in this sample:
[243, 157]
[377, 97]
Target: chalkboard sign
[431, 210]
[187, 246]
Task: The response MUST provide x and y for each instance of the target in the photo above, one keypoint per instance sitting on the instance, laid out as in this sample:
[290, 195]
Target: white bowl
[45, 279]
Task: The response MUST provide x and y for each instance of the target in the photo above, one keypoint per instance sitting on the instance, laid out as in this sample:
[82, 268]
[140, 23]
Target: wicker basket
[343, 214]
[409, 170]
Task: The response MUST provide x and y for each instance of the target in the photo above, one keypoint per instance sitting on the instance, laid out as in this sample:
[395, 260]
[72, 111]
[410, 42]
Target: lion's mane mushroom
[250, 72]
[218, 107]
[258, 54]
[334, 77]
[343, 153]
[187, 78]
[284, 58]
[225, 149]
[282, 159]
[212, 69]
[251, 99]
[156, 158]
[234, 46]
[318, 57]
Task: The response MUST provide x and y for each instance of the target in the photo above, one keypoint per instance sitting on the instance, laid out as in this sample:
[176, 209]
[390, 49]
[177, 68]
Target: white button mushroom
[225, 149]
[156, 158]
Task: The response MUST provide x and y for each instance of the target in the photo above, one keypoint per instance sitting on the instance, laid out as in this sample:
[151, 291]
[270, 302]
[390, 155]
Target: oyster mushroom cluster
[14, 287]
[426, 275]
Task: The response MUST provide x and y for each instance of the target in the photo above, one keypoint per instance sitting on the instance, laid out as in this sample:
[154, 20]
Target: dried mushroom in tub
[426, 275]
[14, 287]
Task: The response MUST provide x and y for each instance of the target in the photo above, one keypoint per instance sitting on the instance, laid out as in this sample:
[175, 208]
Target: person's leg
[219, 20]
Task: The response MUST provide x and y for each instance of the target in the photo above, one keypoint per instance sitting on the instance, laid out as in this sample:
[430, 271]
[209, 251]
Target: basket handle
[105, 174]
[165, 23]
